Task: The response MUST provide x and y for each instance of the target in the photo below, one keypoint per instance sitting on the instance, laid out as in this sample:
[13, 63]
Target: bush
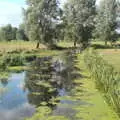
[13, 59]
[2, 65]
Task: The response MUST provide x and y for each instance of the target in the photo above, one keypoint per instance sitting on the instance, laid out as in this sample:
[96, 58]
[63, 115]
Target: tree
[106, 23]
[8, 33]
[80, 19]
[14, 31]
[41, 18]
[20, 34]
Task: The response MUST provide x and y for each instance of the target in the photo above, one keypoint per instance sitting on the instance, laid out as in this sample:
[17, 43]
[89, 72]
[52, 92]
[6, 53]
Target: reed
[106, 77]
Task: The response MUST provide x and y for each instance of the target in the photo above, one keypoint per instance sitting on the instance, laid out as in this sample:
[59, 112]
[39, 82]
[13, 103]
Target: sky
[11, 12]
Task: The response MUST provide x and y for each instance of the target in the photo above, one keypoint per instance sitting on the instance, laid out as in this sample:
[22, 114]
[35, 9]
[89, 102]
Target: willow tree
[80, 19]
[106, 23]
[41, 18]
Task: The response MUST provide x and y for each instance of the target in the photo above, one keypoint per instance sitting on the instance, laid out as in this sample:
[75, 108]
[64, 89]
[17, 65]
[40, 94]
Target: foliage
[20, 34]
[106, 21]
[43, 113]
[13, 59]
[107, 79]
[9, 33]
[41, 19]
[80, 19]
[2, 65]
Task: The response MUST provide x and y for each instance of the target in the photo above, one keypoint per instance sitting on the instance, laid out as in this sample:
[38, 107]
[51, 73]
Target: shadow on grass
[56, 47]
[98, 46]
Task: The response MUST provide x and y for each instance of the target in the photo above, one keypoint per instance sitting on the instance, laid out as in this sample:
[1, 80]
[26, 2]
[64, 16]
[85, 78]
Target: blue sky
[15, 1]
[11, 11]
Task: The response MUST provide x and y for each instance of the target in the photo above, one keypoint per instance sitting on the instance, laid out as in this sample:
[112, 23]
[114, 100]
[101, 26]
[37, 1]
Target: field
[18, 45]
[111, 55]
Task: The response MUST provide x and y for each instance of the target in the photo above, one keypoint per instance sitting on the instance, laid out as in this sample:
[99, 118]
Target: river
[53, 77]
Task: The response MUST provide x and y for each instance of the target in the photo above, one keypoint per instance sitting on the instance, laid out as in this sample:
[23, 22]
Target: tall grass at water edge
[106, 77]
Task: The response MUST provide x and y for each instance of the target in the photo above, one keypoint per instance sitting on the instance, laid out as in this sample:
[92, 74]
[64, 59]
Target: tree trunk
[38, 44]
[75, 43]
[105, 43]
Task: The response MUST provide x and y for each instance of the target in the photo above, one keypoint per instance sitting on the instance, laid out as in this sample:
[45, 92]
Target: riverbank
[97, 108]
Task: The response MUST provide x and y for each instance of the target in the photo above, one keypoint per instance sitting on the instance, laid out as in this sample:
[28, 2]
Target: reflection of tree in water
[4, 82]
[47, 76]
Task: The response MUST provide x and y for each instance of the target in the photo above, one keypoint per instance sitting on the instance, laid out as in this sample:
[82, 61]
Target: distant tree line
[8, 33]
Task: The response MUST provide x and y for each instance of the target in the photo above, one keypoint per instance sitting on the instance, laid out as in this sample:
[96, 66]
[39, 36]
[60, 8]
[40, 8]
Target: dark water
[47, 78]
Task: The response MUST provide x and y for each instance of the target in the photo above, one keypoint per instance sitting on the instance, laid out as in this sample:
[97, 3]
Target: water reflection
[4, 82]
[13, 99]
[46, 79]
[50, 77]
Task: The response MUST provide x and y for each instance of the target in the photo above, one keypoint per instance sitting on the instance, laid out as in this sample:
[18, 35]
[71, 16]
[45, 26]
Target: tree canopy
[80, 19]
[41, 19]
[9, 33]
[106, 21]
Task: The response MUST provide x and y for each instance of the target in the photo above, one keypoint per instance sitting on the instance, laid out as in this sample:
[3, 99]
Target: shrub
[2, 65]
[13, 59]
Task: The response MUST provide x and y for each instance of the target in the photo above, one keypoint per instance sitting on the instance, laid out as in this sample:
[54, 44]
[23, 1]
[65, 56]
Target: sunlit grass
[65, 44]
[18, 45]
[112, 56]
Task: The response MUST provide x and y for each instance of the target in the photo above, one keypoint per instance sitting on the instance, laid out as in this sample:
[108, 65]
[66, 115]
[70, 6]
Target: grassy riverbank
[96, 107]
[15, 55]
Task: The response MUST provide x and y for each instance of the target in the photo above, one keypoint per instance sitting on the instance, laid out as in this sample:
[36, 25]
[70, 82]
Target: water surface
[47, 78]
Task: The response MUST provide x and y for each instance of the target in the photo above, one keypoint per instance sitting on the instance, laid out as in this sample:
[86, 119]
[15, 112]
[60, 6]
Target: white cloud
[10, 13]
[18, 113]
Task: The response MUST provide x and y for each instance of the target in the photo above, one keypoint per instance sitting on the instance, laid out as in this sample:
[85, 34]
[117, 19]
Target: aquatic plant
[44, 113]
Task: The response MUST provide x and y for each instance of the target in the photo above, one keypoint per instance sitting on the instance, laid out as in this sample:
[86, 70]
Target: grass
[18, 45]
[96, 107]
[17, 68]
[111, 55]
[28, 47]
[65, 44]
[4, 75]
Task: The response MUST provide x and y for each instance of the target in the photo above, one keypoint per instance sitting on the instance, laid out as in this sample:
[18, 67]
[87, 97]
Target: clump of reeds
[107, 79]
